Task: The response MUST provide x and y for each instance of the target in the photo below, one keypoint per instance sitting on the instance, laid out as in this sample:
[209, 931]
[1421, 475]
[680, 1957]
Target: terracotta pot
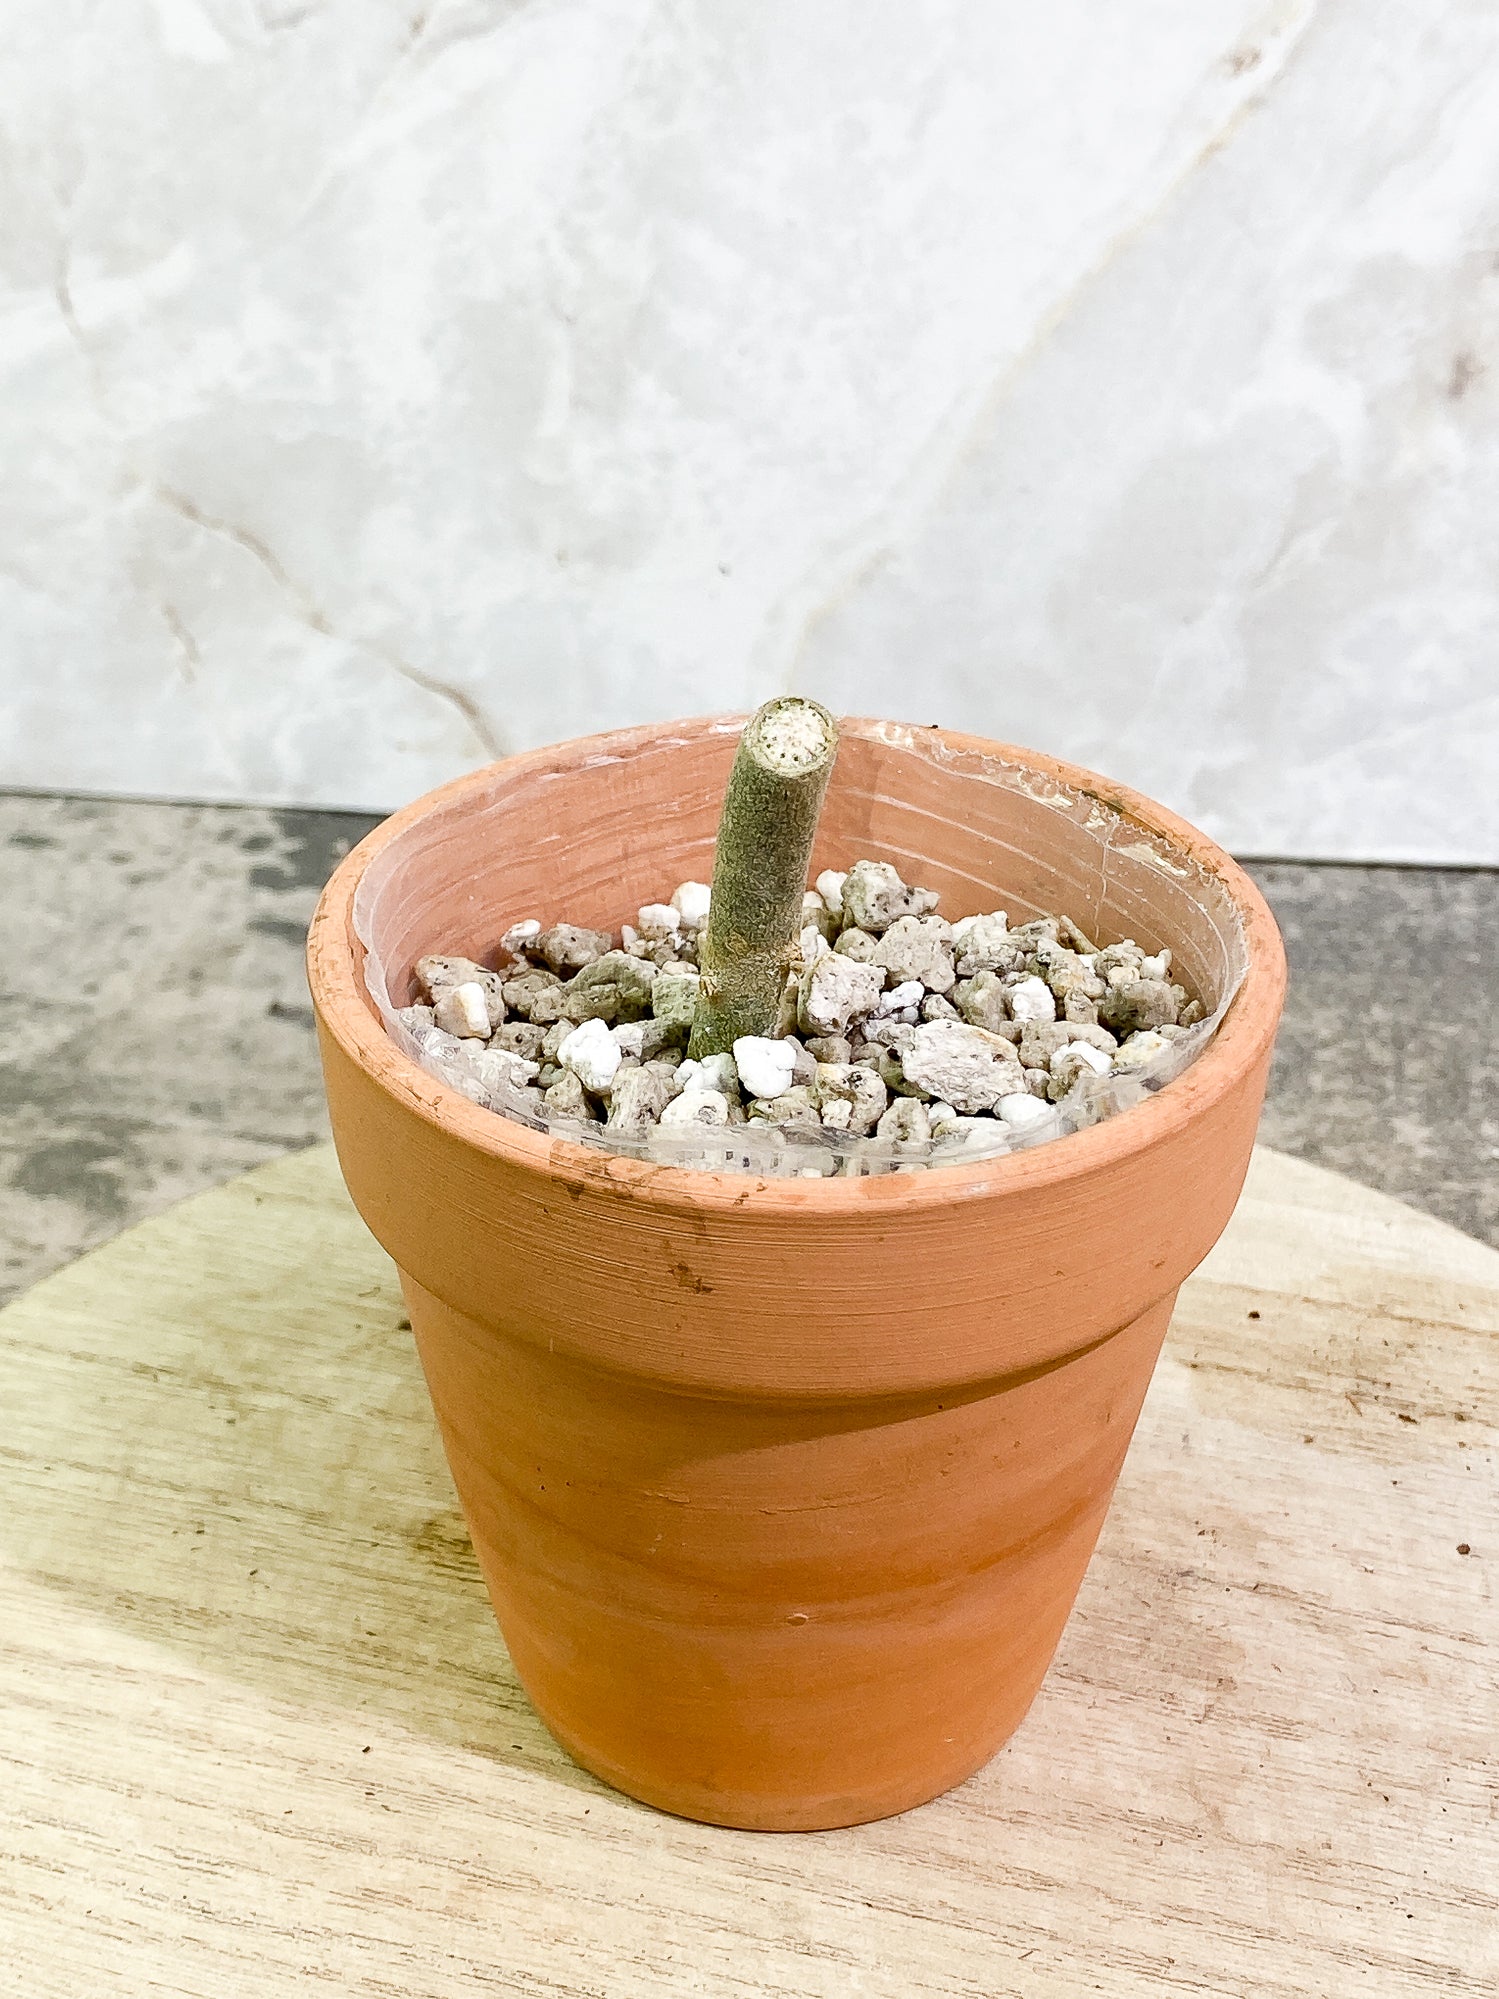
[783, 1489]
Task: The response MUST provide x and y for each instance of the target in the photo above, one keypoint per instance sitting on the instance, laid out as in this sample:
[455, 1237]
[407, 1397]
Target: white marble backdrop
[390, 385]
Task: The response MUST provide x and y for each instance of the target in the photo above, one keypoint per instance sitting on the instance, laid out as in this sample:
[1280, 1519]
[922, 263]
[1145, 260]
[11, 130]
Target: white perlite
[765, 1067]
[915, 951]
[697, 1107]
[1033, 999]
[1139, 1049]
[519, 936]
[899, 999]
[1077, 1057]
[658, 920]
[851, 1097]
[714, 1072]
[593, 1055]
[835, 988]
[462, 1010]
[982, 943]
[691, 904]
[874, 896]
[829, 886]
[640, 1096]
[966, 1067]
[1023, 1112]
[917, 1039]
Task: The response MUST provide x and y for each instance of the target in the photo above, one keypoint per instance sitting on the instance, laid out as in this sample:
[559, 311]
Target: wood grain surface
[259, 1735]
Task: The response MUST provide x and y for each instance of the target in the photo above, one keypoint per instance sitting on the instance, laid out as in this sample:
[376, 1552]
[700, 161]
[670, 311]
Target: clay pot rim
[335, 964]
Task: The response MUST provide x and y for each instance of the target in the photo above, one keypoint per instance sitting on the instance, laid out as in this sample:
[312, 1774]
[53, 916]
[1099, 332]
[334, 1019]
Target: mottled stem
[770, 814]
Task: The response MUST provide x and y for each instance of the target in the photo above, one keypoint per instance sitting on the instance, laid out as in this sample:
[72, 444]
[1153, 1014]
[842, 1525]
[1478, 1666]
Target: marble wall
[387, 386]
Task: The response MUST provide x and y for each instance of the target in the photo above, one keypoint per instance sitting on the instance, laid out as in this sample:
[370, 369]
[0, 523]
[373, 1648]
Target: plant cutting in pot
[849, 1025]
[783, 1478]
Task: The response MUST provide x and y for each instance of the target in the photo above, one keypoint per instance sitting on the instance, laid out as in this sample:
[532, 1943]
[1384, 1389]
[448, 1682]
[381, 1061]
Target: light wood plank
[260, 1735]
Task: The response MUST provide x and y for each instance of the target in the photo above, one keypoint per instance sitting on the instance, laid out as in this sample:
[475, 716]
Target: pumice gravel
[929, 1041]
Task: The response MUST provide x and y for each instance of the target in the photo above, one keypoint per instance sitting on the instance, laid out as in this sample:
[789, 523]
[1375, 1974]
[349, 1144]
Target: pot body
[783, 1489]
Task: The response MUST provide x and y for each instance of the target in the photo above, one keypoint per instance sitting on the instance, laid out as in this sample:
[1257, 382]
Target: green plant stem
[770, 814]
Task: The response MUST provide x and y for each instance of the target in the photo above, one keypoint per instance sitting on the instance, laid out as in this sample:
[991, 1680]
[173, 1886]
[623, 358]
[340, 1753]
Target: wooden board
[260, 1736]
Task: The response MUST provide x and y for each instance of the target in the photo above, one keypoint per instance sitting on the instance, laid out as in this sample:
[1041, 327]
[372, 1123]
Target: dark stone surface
[1387, 1067]
[155, 1034]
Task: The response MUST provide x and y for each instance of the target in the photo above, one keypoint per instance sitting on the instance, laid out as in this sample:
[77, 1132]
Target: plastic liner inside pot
[986, 831]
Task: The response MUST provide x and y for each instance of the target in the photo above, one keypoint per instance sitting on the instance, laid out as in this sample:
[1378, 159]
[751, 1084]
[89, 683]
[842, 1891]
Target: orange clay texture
[782, 1489]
